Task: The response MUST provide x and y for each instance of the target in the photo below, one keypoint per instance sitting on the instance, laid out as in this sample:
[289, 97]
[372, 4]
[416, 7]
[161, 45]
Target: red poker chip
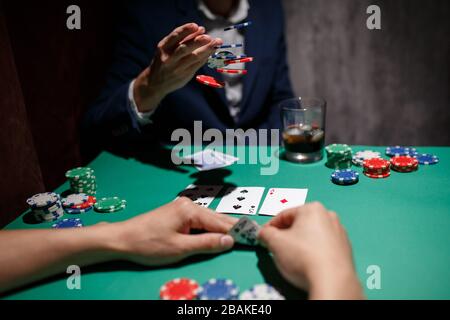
[232, 71]
[404, 162]
[376, 164]
[405, 170]
[179, 289]
[88, 203]
[210, 81]
[243, 60]
[377, 176]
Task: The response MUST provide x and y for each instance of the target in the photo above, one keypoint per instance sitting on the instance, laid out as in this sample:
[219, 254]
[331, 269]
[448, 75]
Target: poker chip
[68, 223]
[74, 199]
[360, 156]
[377, 168]
[179, 289]
[82, 180]
[233, 45]
[376, 164]
[404, 163]
[345, 177]
[232, 71]
[91, 200]
[77, 211]
[398, 151]
[262, 291]
[218, 289]
[46, 206]
[238, 26]
[42, 199]
[377, 176]
[243, 60]
[229, 57]
[109, 204]
[223, 55]
[209, 81]
[339, 156]
[426, 158]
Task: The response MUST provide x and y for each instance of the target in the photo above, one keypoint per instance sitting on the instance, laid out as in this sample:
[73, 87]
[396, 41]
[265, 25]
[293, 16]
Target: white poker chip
[359, 157]
[261, 291]
[74, 199]
[42, 199]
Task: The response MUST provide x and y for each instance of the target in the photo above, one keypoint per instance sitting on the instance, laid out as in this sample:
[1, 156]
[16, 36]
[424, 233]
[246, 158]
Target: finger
[205, 219]
[198, 57]
[269, 237]
[187, 48]
[284, 219]
[200, 31]
[206, 243]
[172, 40]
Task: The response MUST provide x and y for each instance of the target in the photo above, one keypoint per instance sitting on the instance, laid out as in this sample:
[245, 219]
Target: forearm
[146, 96]
[31, 255]
[335, 284]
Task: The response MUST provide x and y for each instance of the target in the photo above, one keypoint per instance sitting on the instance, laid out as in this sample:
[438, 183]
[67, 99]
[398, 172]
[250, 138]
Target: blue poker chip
[399, 151]
[78, 211]
[426, 158]
[228, 46]
[345, 177]
[238, 26]
[218, 289]
[68, 223]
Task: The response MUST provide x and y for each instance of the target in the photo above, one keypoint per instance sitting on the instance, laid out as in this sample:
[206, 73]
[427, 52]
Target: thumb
[207, 243]
[269, 236]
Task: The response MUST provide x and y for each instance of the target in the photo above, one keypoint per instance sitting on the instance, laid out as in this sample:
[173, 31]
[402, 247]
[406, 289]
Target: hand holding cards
[245, 231]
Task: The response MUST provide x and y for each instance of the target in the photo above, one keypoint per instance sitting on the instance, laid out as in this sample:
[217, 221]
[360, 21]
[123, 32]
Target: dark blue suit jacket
[142, 24]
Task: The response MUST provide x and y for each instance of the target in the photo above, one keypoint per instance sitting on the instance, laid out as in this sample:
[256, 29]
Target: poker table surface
[400, 224]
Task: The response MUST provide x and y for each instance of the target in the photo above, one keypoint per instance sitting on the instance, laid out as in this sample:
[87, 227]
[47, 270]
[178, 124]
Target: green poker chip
[110, 204]
[79, 172]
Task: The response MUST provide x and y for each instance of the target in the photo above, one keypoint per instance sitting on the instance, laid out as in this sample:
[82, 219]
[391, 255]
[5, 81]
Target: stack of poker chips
[377, 168]
[222, 60]
[404, 164]
[78, 203]
[110, 204]
[261, 291]
[345, 177]
[339, 156]
[46, 206]
[82, 180]
[360, 156]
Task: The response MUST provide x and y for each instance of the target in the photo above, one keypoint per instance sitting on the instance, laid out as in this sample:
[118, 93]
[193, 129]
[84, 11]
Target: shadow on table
[273, 277]
[209, 178]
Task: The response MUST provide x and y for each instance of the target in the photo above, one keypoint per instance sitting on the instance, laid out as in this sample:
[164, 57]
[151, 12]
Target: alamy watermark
[73, 282]
[227, 142]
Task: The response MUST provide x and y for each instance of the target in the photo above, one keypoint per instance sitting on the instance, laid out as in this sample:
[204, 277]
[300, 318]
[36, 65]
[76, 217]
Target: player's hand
[163, 236]
[178, 56]
[312, 251]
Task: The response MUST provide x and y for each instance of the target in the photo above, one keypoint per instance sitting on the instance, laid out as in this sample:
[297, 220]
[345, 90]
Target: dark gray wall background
[383, 87]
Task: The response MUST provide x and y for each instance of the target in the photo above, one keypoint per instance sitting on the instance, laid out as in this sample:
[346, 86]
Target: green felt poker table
[400, 224]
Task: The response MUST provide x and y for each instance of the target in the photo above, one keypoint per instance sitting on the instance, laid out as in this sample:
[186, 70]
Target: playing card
[245, 231]
[241, 200]
[279, 199]
[209, 159]
[202, 195]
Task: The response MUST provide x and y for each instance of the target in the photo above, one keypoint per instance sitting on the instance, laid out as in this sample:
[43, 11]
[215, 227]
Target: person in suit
[161, 45]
